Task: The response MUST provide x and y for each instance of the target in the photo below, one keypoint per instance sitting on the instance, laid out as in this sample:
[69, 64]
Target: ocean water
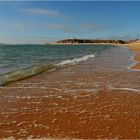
[21, 61]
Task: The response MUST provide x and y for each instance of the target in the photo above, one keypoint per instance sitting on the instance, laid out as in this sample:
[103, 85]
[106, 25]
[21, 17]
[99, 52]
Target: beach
[135, 47]
[94, 99]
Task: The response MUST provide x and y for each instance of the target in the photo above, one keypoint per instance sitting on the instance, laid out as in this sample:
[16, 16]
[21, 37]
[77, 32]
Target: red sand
[88, 101]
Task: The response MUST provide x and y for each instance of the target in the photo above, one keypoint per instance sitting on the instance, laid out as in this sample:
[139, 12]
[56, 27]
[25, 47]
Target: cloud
[128, 36]
[41, 12]
[92, 27]
[18, 26]
[28, 40]
[115, 37]
[14, 26]
[77, 29]
[61, 27]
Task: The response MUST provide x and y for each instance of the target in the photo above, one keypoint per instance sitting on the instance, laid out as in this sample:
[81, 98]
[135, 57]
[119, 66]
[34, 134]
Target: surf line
[34, 70]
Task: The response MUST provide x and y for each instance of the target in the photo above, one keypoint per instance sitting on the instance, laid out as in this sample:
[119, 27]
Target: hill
[77, 41]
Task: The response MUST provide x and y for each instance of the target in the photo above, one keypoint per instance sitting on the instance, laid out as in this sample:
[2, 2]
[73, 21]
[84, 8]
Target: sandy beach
[135, 47]
[98, 98]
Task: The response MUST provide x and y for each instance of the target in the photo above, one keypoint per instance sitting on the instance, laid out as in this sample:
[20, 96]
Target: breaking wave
[34, 70]
[23, 73]
[75, 60]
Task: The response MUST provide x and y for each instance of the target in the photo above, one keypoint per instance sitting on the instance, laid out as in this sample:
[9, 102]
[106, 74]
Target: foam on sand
[127, 89]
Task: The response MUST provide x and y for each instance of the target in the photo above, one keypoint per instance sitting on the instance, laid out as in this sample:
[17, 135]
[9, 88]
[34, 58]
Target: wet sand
[135, 47]
[98, 98]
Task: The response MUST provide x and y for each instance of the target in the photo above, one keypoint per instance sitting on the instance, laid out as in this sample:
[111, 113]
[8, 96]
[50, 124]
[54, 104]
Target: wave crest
[34, 70]
[23, 73]
[75, 60]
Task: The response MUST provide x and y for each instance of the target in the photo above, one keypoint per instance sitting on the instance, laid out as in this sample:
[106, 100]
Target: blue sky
[46, 21]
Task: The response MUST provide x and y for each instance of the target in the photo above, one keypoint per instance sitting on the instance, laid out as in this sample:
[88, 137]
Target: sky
[49, 21]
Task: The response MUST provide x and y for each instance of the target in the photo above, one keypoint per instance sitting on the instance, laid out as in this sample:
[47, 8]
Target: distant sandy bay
[98, 98]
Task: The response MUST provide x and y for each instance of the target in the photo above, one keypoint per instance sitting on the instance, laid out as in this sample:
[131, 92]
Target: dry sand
[135, 47]
[99, 98]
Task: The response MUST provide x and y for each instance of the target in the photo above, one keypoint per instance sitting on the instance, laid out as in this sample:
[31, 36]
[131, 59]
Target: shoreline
[44, 68]
[86, 44]
[135, 47]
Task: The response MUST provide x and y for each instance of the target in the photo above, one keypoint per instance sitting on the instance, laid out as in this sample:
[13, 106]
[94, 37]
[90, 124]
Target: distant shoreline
[116, 44]
[95, 41]
[84, 44]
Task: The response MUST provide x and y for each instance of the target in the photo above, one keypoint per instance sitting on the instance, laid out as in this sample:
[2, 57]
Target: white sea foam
[75, 60]
[127, 89]
[134, 62]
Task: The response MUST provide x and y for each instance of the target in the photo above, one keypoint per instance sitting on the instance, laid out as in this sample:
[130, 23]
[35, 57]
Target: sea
[21, 61]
